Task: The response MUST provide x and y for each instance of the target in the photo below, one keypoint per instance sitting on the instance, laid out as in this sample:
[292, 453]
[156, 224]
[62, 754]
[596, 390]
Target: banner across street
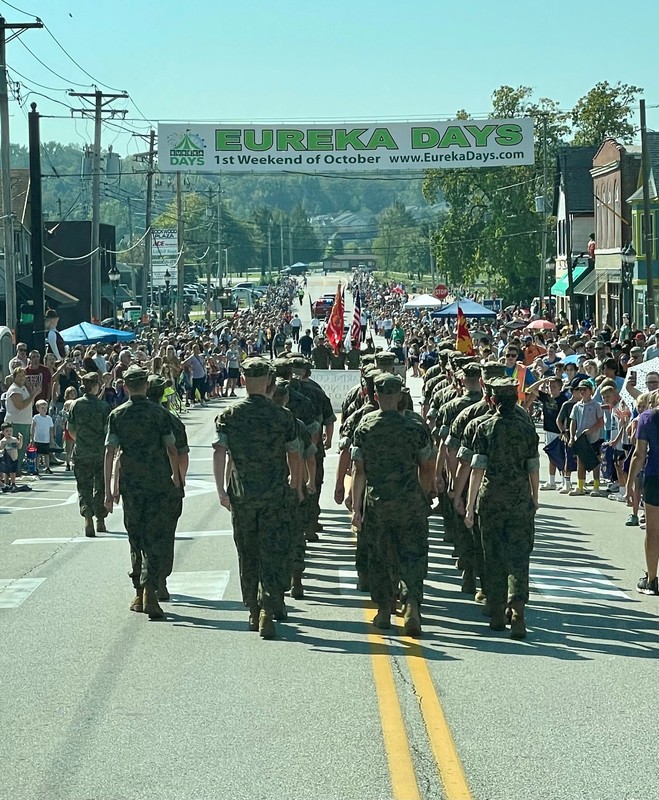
[208, 147]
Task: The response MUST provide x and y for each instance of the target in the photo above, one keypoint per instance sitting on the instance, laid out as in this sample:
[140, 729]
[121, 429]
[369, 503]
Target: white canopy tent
[423, 301]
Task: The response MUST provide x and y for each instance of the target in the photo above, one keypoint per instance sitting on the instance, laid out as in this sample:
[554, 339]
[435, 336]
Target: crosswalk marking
[14, 592]
[209, 585]
[113, 537]
[348, 581]
[574, 582]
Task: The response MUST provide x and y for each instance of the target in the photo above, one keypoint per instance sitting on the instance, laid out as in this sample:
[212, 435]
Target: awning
[59, 296]
[598, 277]
[560, 288]
[123, 295]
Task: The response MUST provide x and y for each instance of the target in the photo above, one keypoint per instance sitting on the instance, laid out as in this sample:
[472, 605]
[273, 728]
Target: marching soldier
[503, 487]
[262, 441]
[392, 485]
[86, 424]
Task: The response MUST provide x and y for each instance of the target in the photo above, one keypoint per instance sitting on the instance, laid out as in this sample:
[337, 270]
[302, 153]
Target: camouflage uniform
[395, 512]
[506, 447]
[258, 434]
[353, 358]
[143, 430]
[326, 416]
[320, 356]
[87, 419]
[300, 511]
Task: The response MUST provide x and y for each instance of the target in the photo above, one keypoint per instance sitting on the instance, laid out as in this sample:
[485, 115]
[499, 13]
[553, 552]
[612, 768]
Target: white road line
[13, 592]
[348, 582]
[574, 582]
[201, 585]
[114, 537]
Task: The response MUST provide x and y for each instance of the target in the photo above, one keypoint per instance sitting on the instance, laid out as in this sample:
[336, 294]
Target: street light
[114, 276]
[550, 268]
[168, 278]
[628, 256]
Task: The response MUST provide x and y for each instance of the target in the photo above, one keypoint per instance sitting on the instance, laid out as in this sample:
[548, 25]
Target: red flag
[463, 341]
[356, 327]
[334, 329]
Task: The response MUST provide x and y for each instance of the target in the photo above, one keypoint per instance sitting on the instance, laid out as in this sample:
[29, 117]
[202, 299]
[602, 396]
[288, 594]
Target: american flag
[356, 327]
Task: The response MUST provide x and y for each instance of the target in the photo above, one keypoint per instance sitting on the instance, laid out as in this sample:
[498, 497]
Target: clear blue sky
[354, 59]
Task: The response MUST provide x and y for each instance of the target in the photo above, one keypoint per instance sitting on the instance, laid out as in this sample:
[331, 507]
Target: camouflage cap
[386, 383]
[135, 375]
[156, 382]
[300, 364]
[472, 370]
[504, 387]
[460, 361]
[283, 367]
[367, 360]
[385, 359]
[255, 367]
[492, 370]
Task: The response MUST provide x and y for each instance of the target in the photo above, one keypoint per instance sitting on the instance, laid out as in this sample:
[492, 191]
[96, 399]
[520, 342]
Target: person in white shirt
[42, 433]
[296, 325]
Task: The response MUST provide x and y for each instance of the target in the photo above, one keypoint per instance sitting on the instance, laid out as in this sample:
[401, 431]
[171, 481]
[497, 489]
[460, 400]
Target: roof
[468, 307]
[573, 165]
[20, 195]
[653, 150]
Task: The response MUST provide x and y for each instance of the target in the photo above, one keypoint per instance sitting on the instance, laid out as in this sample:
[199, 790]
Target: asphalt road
[98, 703]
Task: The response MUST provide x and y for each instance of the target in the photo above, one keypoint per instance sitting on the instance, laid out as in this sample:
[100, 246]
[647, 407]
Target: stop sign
[441, 291]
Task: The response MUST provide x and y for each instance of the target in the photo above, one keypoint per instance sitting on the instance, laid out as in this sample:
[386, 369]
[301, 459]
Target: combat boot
[163, 591]
[297, 590]
[100, 525]
[151, 606]
[382, 619]
[311, 536]
[362, 582]
[468, 582]
[137, 603]
[89, 527]
[280, 612]
[253, 621]
[266, 625]
[517, 624]
[412, 619]
[497, 619]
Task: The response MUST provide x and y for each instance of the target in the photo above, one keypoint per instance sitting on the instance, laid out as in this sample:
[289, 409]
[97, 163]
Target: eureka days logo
[186, 149]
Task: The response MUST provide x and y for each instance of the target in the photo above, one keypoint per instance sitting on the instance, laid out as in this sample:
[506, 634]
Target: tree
[492, 231]
[604, 112]
[306, 244]
[400, 244]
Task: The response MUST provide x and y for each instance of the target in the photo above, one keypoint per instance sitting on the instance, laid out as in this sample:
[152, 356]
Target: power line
[80, 67]
[61, 77]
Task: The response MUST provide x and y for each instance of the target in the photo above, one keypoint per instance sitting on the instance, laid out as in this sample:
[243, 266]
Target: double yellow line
[399, 756]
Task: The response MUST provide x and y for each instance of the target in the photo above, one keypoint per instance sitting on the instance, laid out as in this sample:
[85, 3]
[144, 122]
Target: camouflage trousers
[150, 520]
[397, 540]
[468, 545]
[448, 515]
[299, 519]
[507, 535]
[314, 499]
[262, 535]
[88, 471]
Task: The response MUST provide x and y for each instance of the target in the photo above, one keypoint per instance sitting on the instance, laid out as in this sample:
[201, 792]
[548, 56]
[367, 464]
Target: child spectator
[587, 421]
[9, 449]
[563, 425]
[42, 433]
[552, 397]
[617, 439]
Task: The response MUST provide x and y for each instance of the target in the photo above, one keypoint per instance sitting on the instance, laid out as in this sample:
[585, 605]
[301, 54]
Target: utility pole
[543, 255]
[220, 279]
[269, 250]
[148, 239]
[290, 245]
[100, 101]
[432, 258]
[180, 231]
[5, 168]
[281, 243]
[36, 230]
[648, 233]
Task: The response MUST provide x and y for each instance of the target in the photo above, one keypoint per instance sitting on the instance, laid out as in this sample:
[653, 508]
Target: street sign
[441, 292]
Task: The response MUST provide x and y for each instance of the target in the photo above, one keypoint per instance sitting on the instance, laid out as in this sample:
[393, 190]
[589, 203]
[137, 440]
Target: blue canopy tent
[87, 333]
[468, 307]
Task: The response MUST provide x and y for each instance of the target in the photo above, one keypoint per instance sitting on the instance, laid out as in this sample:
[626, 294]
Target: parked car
[295, 269]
